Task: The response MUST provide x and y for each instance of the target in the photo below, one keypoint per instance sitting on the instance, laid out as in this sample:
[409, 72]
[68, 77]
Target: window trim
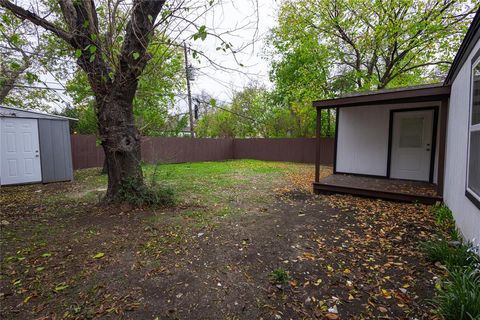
[469, 193]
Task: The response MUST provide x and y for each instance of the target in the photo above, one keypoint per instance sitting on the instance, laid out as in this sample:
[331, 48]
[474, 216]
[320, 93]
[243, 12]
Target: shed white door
[411, 145]
[19, 151]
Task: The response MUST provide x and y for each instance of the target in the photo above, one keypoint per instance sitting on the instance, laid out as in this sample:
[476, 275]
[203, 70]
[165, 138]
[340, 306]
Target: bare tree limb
[34, 18]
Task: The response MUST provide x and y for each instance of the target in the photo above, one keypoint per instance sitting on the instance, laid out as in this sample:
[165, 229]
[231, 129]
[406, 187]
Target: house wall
[362, 145]
[467, 215]
[55, 150]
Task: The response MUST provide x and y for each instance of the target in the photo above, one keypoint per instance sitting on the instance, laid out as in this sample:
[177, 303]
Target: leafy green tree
[376, 44]
[322, 49]
[216, 124]
[155, 96]
[255, 113]
[245, 117]
[26, 53]
[110, 42]
[251, 110]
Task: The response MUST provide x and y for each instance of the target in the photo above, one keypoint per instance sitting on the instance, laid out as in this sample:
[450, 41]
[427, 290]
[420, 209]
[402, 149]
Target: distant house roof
[23, 113]
[431, 92]
[468, 43]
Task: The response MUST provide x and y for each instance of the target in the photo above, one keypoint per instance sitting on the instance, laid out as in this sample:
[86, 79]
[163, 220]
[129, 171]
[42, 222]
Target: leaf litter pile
[289, 255]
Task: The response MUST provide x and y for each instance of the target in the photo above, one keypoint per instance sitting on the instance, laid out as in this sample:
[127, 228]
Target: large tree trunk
[121, 143]
[114, 84]
[104, 168]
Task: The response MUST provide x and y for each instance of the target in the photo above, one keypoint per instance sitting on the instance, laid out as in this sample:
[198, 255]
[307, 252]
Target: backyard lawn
[246, 240]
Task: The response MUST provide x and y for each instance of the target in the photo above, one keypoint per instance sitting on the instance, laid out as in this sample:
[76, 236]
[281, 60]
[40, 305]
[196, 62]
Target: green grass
[452, 256]
[444, 219]
[199, 179]
[279, 276]
[206, 177]
[209, 191]
[152, 194]
[213, 185]
[90, 177]
[443, 215]
[66, 216]
[459, 296]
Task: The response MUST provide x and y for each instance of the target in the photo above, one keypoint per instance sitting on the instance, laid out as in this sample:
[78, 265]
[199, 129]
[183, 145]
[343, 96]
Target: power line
[230, 111]
[140, 92]
[35, 54]
[65, 89]
[36, 87]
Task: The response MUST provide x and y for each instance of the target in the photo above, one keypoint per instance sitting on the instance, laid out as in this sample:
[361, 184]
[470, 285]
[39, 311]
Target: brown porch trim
[318, 145]
[388, 96]
[442, 142]
[321, 188]
[337, 120]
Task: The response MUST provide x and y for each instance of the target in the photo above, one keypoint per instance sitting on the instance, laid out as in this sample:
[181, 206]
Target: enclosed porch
[389, 144]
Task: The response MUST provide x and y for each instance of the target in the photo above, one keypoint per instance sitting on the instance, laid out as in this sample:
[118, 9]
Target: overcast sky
[241, 23]
[247, 24]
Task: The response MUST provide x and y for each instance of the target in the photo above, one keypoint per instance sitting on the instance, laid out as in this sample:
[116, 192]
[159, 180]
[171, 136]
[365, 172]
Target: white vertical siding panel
[362, 145]
[467, 215]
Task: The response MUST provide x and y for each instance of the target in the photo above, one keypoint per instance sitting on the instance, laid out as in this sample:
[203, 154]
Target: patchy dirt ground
[212, 256]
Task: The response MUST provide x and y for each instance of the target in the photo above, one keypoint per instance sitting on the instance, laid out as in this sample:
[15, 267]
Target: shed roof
[431, 92]
[22, 113]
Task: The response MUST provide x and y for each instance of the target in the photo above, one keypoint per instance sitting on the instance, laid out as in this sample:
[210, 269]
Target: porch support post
[442, 146]
[318, 144]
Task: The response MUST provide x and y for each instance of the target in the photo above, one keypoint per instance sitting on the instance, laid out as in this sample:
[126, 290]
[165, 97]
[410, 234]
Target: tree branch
[34, 18]
[138, 34]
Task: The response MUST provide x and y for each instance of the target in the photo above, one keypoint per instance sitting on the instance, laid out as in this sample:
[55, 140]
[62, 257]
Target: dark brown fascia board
[408, 95]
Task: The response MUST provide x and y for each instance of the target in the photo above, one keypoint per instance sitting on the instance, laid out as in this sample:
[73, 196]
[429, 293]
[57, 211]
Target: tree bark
[121, 142]
[114, 85]
[104, 167]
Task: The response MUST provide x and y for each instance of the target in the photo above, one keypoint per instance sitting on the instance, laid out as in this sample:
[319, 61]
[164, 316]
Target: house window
[473, 167]
[411, 132]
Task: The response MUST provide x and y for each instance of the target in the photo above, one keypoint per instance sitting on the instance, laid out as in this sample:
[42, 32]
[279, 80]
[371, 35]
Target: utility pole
[189, 93]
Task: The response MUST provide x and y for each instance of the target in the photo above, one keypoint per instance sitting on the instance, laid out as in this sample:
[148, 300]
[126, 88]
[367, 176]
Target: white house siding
[362, 145]
[467, 215]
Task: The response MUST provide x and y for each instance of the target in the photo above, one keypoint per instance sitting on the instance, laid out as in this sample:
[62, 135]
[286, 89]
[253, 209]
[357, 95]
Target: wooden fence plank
[86, 154]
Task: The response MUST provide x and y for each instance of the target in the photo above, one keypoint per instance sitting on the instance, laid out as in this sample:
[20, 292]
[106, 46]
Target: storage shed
[34, 147]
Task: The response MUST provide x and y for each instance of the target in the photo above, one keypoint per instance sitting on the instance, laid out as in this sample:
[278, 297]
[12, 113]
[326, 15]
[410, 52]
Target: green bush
[450, 255]
[147, 195]
[444, 219]
[443, 214]
[459, 296]
[279, 276]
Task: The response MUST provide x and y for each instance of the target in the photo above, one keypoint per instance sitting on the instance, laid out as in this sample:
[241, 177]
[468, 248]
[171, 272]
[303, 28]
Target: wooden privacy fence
[87, 154]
